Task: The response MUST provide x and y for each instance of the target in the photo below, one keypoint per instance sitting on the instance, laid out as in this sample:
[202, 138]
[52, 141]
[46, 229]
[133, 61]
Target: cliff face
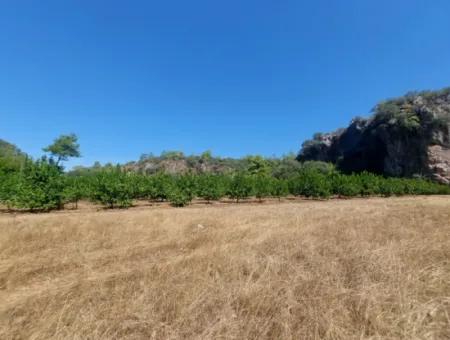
[405, 136]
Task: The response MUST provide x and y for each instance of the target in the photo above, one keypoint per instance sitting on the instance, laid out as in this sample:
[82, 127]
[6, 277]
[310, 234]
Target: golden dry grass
[355, 269]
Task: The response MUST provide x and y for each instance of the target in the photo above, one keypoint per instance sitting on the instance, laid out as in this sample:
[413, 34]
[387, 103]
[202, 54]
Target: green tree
[63, 147]
[183, 190]
[280, 188]
[257, 165]
[262, 186]
[240, 186]
[75, 189]
[39, 186]
[345, 186]
[310, 183]
[211, 187]
[162, 183]
[112, 188]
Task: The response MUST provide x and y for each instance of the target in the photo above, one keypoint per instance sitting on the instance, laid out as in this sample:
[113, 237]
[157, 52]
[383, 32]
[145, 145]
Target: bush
[280, 188]
[211, 187]
[112, 188]
[178, 197]
[38, 187]
[159, 186]
[74, 190]
[369, 184]
[183, 190]
[262, 186]
[346, 186]
[8, 187]
[310, 183]
[240, 186]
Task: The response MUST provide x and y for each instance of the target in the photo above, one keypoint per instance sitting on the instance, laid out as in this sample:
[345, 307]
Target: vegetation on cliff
[394, 141]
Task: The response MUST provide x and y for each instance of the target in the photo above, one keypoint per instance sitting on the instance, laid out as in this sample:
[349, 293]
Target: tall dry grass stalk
[356, 269]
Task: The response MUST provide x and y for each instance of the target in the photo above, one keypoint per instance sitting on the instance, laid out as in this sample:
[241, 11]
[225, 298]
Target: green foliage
[75, 189]
[240, 186]
[257, 165]
[183, 190]
[38, 187]
[175, 155]
[262, 186]
[286, 167]
[346, 186]
[178, 197]
[318, 166]
[369, 184]
[211, 187]
[8, 187]
[11, 158]
[280, 187]
[63, 147]
[310, 183]
[162, 184]
[41, 185]
[112, 188]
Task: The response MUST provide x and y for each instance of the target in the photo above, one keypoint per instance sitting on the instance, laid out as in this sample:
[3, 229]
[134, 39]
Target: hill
[405, 136]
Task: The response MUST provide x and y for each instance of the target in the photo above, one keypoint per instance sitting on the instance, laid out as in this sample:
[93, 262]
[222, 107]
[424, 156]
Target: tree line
[42, 185]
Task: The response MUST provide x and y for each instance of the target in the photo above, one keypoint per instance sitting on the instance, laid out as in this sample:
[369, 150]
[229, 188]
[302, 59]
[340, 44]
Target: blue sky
[235, 77]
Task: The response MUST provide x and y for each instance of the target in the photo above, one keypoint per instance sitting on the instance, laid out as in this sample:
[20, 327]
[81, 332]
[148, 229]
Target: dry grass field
[339, 269]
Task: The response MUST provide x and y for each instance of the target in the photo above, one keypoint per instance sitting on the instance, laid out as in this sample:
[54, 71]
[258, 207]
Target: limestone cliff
[405, 136]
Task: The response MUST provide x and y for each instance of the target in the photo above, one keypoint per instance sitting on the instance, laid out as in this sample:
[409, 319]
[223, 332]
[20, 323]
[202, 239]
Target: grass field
[339, 269]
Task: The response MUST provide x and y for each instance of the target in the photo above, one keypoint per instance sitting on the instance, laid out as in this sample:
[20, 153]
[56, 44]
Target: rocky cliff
[406, 136]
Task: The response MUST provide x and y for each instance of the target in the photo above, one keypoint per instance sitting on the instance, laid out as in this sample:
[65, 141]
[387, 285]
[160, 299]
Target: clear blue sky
[236, 77]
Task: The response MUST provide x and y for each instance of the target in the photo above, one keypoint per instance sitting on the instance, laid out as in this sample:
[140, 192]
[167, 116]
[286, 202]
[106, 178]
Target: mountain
[406, 136]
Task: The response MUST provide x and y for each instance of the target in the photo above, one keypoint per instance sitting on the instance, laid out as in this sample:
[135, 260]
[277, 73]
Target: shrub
[161, 185]
[240, 186]
[369, 184]
[279, 188]
[178, 197]
[112, 188]
[211, 187]
[346, 186]
[310, 183]
[183, 190]
[74, 190]
[8, 187]
[38, 187]
[262, 186]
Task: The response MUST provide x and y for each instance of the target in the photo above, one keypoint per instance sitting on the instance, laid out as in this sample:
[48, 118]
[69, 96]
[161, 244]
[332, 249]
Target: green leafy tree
[345, 186]
[75, 189]
[112, 188]
[211, 187]
[257, 165]
[240, 186]
[64, 147]
[8, 187]
[183, 190]
[178, 197]
[262, 186]
[280, 188]
[310, 183]
[39, 186]
[369, 184]
[162, 184]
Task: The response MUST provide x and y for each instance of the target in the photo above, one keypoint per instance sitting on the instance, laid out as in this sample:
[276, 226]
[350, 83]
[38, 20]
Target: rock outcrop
[406, 136]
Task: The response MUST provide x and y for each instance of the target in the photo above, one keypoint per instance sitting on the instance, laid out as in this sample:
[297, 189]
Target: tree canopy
[63, 147]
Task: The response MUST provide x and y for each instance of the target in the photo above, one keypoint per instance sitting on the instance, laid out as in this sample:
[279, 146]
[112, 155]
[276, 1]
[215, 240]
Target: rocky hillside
[405, 136]
[175, 162]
